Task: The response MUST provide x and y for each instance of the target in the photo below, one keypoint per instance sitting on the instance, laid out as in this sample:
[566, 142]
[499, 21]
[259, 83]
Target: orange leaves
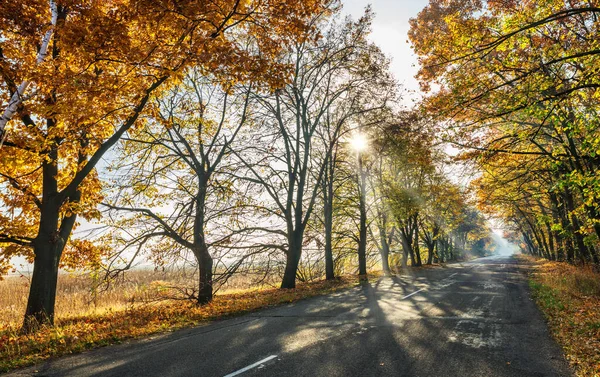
[83, 254]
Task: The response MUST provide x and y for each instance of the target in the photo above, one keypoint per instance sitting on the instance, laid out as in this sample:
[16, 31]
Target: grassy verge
[569, 297]
[78, 333]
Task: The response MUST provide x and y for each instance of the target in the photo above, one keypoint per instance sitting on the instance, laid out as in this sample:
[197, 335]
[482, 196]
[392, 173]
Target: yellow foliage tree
[77, 75]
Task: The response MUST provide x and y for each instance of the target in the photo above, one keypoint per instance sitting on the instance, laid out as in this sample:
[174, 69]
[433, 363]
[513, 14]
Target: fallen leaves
[75, 334]
[569, 296]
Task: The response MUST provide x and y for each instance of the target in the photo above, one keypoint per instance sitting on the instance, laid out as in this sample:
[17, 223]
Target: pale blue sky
[390, 29]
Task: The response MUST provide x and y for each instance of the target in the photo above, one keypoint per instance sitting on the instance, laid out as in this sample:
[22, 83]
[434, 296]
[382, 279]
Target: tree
[104, 62]
[411, 162]
[518, 90]
[330, 74]
[177, 159]
[441, 199]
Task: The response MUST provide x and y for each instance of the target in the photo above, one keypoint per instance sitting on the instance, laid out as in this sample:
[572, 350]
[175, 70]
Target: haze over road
[469, 319]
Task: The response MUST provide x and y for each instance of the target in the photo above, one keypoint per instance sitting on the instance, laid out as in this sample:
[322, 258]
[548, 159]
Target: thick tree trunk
[419, 262]
[407, 249]
[48, 246]
[329, 265]
[205, 278]
[292, 260]
[404, 259]
[570, 250]
[545, 246]
[561, 214]
[430, 247]
[328, 199]
[529, 243]
[442, 245]
[560, 247]
[411, 253]
[42, 293]
[362, 249]
[551, 246]
[385, 263]
[203, 257]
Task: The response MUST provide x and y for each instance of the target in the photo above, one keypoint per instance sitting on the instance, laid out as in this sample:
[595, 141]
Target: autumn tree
[442, 199]
[410, 163]
[77, 76]
[518, 89]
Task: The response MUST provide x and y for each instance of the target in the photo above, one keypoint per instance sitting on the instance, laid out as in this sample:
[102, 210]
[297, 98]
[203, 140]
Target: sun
[359, 142]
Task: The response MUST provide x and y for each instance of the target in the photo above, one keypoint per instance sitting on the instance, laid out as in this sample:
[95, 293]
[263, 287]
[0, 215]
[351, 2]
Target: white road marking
[414, 293]
[422, 289]
[256, 364]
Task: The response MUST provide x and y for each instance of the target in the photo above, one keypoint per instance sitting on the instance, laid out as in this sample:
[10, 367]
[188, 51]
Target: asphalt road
[470, 319]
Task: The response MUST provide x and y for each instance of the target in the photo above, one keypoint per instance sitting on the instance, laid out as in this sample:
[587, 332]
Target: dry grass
[126, 310]
[76, 296]
[569, 296]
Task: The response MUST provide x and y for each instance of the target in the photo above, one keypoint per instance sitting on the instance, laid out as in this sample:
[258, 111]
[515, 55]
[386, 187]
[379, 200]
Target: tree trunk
[417, 252]
[292, 260]
[442, 249]
[430, 247]
[48, 246]
[328, 203]
[329, 265]
[551, 246]
[561, 215]
[42, 293]
[205, 279]
[529, 243]
[362, 240]
[545, 246]
[407, 249]
[584, 253]
[385, 253]
[416, 248]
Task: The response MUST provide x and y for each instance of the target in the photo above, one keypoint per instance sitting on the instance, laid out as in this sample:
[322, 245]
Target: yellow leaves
[83, 254]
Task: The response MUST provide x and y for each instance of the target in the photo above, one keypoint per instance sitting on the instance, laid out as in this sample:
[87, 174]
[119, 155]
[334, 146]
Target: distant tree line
[518, 92]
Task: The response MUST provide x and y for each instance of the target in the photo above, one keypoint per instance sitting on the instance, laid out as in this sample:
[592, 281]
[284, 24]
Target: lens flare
[359, 142]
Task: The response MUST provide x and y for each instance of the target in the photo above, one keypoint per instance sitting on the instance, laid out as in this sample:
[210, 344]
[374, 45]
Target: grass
[76, 296]
[128, 310]
[569, 297]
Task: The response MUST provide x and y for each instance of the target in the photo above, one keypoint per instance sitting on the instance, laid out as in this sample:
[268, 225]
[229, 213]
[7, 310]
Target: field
[79, 295]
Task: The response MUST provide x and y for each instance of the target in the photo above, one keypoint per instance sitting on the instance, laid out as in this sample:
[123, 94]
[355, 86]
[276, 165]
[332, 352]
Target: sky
[390, 33]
